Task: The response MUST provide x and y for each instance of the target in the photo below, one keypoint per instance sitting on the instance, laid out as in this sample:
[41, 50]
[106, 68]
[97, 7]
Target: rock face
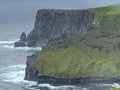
[30, 72]
[51, 23]
[77, 81]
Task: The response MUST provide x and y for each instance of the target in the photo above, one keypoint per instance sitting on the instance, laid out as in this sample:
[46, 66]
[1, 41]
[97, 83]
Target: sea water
[13, 63]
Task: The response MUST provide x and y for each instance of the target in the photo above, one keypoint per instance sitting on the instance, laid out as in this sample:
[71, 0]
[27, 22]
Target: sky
[13, 11]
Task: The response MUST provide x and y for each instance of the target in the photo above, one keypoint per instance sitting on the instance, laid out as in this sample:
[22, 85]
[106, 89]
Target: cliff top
[108, 9]
[63, 9]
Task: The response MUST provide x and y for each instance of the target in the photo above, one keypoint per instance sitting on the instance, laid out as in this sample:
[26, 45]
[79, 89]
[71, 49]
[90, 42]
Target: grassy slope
[115, 89]
[96, 53]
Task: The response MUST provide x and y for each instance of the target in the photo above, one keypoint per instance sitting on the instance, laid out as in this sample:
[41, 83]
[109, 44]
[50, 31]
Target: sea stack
[22, 41]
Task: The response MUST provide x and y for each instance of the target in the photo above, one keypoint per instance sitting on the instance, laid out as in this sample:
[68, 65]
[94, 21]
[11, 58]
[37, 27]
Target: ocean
[13, 63]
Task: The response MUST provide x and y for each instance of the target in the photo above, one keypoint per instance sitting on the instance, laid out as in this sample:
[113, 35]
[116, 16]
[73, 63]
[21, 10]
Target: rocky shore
[76, 81]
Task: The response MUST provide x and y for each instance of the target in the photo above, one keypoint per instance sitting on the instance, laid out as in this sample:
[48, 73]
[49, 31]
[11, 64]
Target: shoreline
[76, 81]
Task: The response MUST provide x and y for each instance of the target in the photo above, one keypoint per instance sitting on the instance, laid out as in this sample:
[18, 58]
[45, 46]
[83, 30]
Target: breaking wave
[7, 42]
[13, 73]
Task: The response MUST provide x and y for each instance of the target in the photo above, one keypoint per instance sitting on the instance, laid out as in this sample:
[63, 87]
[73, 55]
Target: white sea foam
[16, 74]
[35, 86]
[23, 48]
[13, 73]
[9, 42]
[114, 85]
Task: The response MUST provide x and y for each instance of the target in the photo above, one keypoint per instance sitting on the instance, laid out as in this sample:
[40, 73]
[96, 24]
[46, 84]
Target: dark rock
[77, 81]
[31, 43]
[31, 71]
[62, 41]
[20, 44]
[44, 88]
[23, 37]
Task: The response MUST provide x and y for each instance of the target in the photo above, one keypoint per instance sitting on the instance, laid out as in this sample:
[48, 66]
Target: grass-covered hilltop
[95, 53]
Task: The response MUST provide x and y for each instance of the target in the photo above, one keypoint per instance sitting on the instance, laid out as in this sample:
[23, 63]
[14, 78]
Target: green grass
[79, 62]
[93, 54]
[115, 89]
[109, 10]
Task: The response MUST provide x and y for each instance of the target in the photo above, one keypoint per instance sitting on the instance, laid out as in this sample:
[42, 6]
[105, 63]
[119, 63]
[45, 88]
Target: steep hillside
[92, 54]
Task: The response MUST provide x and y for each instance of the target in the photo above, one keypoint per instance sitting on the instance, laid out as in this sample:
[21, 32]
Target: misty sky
[12, 11]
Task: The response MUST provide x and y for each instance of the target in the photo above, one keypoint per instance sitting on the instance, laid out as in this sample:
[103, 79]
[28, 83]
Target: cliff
[51, 23]
[31, 70]
[92, 52]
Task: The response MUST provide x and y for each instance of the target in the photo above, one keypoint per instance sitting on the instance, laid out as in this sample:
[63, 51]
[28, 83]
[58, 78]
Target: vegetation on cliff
[115, 89]
[92, 54]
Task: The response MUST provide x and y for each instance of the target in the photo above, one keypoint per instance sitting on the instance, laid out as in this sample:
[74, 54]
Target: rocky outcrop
[23, 37]
[22, 42]
[51, 23]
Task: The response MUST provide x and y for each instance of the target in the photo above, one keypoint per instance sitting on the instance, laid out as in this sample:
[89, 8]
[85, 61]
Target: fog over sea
[17, 16]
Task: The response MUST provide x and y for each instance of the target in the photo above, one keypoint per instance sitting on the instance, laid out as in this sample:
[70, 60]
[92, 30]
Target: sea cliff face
[90, 55]
[51, 23]
[31, 71]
